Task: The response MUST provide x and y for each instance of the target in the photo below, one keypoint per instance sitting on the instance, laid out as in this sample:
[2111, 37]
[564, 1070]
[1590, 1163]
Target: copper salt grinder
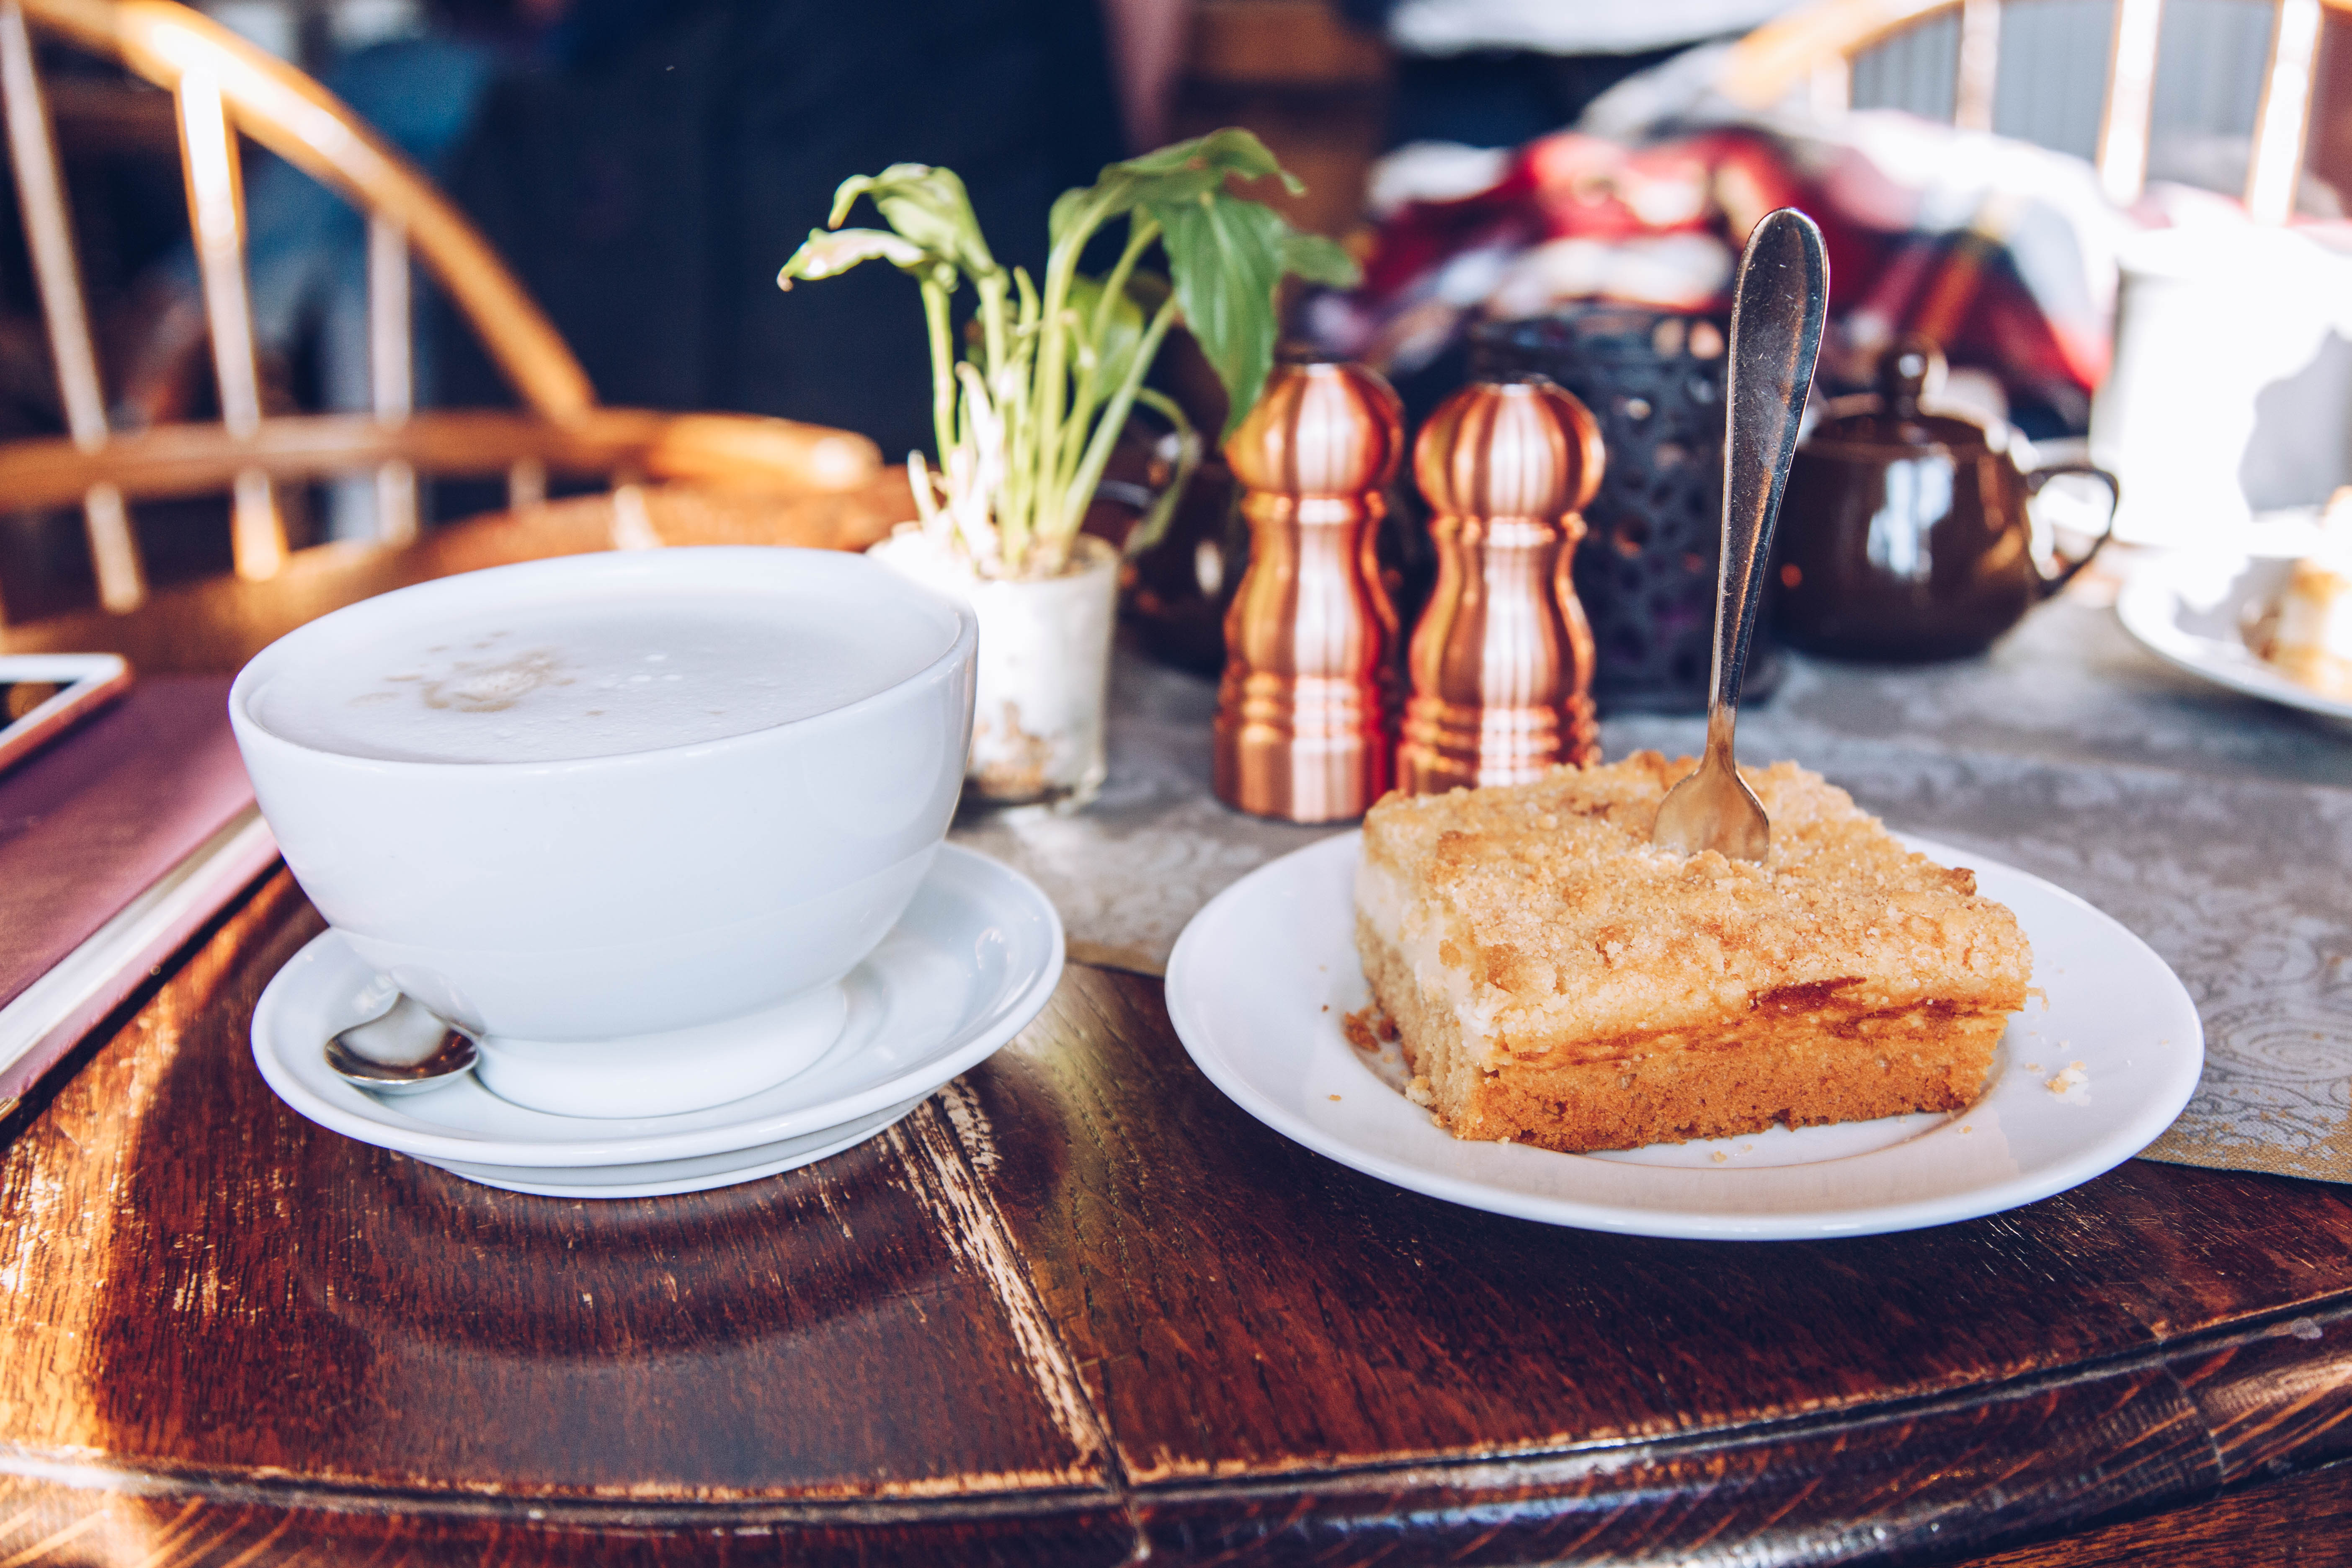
[1502, 659]
[1303, 709]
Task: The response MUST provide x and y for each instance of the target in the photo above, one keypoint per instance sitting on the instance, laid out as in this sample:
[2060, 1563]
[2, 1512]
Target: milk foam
[590, 676]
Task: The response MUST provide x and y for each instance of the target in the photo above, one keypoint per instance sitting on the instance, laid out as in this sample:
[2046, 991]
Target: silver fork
[1776, 307]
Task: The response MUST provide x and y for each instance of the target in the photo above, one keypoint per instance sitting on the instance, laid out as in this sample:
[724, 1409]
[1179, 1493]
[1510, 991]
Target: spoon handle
[1777, 307]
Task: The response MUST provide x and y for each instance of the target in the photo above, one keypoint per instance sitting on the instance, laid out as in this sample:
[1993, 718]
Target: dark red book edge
[117, 843]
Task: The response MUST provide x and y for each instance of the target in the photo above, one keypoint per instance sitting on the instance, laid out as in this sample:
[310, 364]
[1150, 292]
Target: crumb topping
[1569, 925]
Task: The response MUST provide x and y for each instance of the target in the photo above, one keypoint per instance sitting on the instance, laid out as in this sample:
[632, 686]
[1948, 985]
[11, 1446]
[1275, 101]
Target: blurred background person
[644, 166]
[648, 187]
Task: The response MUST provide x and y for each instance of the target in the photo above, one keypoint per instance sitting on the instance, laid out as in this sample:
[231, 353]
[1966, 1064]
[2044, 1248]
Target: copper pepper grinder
[1502, 659]
[1303, 709]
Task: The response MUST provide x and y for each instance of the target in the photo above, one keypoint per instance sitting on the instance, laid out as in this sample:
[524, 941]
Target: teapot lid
[1891, 417]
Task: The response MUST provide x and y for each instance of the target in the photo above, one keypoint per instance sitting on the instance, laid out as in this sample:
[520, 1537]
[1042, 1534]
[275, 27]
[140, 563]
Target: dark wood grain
[136, 1520]
[2304, 1522]
[207, 1288]
[2276, 1400]
[1242, 1304]
[1078, 1307]
[1290, 1355]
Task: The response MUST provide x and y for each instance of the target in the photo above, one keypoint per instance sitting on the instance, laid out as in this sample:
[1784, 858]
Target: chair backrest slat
[1829, 86]
[1811, 50]
[208, 155]
[2122, 157]
[113, 550]
[2276, 166]
[48, 231]
[217, 225]
[392, 369]
[257, 533]
[1979, 61]
[526, 484]
[49, 238]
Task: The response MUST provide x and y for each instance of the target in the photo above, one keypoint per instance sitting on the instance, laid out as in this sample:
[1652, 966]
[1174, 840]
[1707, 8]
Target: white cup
[2231, 390]
[644, 933]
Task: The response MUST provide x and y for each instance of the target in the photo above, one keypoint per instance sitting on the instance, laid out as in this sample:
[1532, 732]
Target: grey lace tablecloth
[2217, 827]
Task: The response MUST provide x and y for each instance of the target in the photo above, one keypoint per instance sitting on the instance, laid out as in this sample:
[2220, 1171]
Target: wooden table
[1077, 1309]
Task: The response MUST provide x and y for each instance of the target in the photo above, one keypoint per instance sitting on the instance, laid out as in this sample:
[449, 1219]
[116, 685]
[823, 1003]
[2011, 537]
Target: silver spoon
[1776, 307]
[405, 1050]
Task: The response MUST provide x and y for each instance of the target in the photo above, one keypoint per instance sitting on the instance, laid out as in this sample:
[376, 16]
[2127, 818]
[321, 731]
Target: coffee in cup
[584, 677]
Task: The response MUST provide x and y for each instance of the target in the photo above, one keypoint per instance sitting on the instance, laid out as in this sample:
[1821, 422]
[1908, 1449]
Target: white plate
[1262, 979]
[972, 960]
[2191, 607]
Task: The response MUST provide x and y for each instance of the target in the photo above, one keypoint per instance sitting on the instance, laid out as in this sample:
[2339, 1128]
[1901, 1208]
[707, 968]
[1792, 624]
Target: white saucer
[972, 960]
[2191, 608]
[657, 1178]
[1262, 980]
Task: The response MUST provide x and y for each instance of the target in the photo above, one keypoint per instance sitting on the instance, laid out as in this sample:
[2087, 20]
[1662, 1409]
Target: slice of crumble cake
[1557, 980]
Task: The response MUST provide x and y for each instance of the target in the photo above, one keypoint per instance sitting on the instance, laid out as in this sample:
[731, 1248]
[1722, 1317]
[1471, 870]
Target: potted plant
[1027, 417]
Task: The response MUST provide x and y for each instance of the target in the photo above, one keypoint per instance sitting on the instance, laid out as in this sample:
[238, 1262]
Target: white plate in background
[1262, 981]
[2192, 609]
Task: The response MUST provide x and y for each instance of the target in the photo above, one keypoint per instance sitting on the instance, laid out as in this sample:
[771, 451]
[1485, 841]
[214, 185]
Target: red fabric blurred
[1999, 252]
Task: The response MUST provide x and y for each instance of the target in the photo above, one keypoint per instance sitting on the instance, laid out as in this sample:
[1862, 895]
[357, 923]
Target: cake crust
[1555, 979]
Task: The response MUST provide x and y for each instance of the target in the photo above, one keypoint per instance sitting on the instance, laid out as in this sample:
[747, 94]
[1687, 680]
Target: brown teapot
[1904, 534]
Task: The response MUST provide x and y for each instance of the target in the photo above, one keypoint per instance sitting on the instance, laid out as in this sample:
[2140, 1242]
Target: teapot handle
[2051, 581]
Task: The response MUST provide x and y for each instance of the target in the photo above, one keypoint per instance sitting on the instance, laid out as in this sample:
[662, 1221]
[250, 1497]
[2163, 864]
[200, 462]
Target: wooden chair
[1808, 54]
[222, 86]
[214, 625]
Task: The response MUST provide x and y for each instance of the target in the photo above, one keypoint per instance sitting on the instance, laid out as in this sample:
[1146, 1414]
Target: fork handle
[1776, 308]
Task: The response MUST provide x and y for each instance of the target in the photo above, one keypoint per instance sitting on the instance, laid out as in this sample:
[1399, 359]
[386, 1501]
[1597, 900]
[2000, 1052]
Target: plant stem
[1141, 232]
[943, 382]
[919, 479]
[1051, 383]
[1153, 523]
[1081, 487]
[1014, 506]
[1016, 496]
[992, 317]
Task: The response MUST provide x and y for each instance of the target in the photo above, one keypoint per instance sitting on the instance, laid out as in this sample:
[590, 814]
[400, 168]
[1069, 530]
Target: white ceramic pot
[1044, 677]
[637, 934]
[2231, 389]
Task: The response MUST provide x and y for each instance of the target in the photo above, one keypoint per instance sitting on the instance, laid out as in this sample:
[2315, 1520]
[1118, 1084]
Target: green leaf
[927, 204]
[1072, 208]
[1226, 252]
[829, 255]
[1183, 171]
[1190, 168]
[1318, 261]
[1226, 257]
[1114, 350]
